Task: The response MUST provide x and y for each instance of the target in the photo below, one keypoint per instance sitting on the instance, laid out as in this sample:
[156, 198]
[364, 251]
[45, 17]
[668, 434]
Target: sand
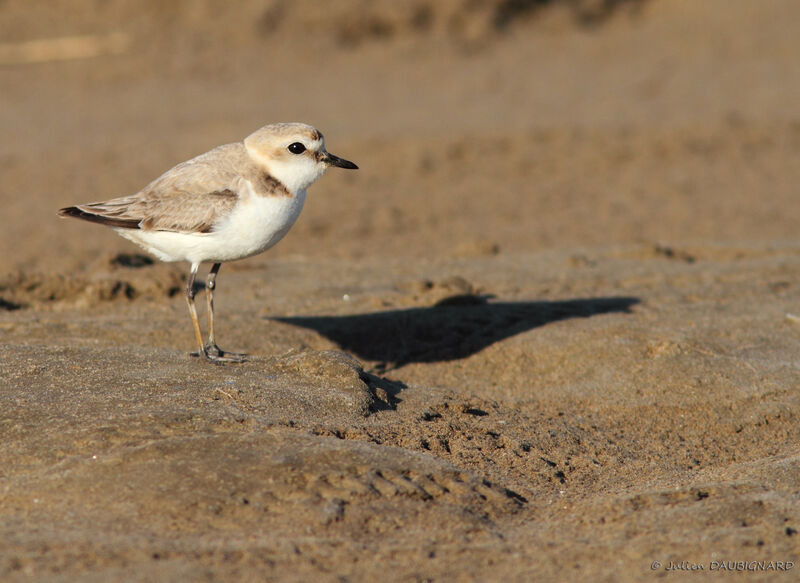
[548, 331]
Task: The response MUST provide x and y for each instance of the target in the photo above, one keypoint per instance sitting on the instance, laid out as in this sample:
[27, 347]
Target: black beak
[340, 162]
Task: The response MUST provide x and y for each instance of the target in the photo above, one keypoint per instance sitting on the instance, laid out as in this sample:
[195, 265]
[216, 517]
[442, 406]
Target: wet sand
[548, 331]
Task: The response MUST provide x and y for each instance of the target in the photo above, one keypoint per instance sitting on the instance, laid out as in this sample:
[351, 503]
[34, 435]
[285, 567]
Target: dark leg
[211, 349]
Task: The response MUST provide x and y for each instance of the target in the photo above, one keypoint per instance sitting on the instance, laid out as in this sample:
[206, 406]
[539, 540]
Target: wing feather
[191, 197]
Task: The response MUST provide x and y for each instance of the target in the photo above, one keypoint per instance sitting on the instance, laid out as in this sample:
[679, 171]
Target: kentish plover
[230, 203]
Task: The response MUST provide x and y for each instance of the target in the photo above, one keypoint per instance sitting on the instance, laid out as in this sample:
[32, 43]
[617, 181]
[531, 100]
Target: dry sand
[545, 333]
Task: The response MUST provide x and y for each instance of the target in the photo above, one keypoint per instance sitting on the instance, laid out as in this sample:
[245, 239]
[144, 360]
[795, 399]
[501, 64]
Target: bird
[233, 202]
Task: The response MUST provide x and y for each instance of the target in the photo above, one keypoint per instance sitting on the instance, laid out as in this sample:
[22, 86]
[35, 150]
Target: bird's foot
[213, 353]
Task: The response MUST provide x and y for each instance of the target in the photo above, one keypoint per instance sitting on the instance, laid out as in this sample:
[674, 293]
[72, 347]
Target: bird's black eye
[297, 148]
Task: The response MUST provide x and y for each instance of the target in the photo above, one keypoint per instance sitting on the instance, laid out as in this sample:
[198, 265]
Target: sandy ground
[546, 332]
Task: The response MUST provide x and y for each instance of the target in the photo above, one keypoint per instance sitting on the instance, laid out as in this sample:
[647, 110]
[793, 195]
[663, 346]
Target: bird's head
[293, 153]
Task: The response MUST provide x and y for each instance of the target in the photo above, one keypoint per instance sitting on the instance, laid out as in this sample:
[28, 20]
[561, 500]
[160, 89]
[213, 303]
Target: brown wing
[191, 197]
[182, 212]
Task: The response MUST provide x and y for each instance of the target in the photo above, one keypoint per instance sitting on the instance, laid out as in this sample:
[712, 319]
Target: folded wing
[190, 198]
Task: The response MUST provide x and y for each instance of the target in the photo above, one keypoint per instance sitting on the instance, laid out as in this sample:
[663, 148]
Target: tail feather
[78, 213]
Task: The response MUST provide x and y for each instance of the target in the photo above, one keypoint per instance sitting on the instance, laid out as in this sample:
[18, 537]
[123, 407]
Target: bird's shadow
[454, 328]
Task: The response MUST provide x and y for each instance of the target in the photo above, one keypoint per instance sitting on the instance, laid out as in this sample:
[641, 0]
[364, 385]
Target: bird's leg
[192, 309]
[211, 283]
[214, 352]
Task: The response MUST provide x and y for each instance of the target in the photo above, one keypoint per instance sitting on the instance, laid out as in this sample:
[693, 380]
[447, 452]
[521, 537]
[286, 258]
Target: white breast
[256, 224]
